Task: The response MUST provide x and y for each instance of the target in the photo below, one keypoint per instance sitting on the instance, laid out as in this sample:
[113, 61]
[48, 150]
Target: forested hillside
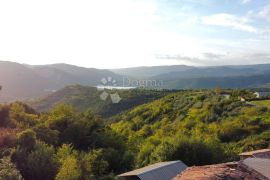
[197, 127]
[248, 81]
[61, 144]
[84, 97]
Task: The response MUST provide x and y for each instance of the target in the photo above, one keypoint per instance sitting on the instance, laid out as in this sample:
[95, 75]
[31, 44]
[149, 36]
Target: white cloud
[262, 13]
[113, 34]
[265, 12]
[266, 30]
[93, 33]
[229, 20]
[206, 59]
[246, 1]
[101, 33]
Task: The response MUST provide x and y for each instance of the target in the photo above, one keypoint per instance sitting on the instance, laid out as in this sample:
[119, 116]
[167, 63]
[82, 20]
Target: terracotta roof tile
[214, 172]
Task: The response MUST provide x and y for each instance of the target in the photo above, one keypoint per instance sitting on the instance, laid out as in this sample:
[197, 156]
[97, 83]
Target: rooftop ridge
[172, 162]
[162, 165]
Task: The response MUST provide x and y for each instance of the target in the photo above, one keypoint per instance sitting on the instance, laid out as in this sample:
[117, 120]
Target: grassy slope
[265, 103]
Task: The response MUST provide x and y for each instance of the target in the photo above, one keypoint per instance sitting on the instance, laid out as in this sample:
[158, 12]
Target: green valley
[197, 126]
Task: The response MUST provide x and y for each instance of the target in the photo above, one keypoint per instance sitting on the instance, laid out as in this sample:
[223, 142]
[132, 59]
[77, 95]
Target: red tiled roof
[214, 172]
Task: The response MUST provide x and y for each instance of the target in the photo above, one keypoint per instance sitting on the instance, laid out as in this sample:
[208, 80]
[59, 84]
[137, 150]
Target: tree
[37, 163]
[93, 165]
[65, 151]
[4, 116]
[164, 152]
[114, 159]
[41, 163]
[47, 135]
[143, 157]
[22, 116]
[69, 170]
[8, 170]
[217, 90]
[27, 139]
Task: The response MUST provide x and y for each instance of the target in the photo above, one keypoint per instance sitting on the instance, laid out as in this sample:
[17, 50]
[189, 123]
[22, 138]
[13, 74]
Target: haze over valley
[22, 82]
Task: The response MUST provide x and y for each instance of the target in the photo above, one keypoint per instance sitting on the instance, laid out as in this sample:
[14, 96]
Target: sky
[128, 33]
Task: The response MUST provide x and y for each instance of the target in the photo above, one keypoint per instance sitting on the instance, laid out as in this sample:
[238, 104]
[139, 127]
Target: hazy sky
[126, 33]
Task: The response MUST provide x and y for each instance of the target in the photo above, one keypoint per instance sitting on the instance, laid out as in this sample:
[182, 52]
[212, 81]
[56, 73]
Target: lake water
[100, 87]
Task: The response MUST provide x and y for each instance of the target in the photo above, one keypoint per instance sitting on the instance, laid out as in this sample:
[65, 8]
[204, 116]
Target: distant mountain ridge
[22, 81]
[151, 70]
[210, 72]
[251, 81]
[182, 71]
